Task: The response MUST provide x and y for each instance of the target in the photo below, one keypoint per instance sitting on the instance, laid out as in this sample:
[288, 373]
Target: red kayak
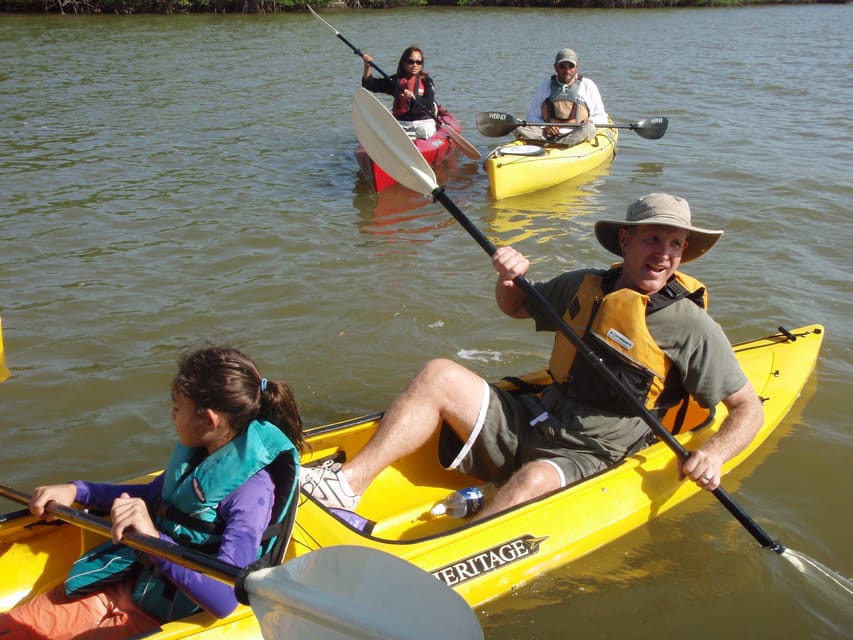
[434, 149]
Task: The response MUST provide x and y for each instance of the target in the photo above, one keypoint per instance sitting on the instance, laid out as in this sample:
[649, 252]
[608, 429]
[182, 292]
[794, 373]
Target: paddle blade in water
[388, 145]
[346, 592]
[464, 146]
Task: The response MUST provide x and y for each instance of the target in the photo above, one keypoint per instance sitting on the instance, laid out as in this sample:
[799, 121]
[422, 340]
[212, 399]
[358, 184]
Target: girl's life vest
[613, 325]
[564, 102]
[402, 104]
[187, 511]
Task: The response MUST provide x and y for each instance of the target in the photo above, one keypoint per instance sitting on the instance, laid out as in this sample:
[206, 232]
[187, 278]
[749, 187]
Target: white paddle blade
[350, 592]
[388, 145]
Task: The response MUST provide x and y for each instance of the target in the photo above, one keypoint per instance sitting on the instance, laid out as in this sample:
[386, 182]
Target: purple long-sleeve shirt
[245, 511]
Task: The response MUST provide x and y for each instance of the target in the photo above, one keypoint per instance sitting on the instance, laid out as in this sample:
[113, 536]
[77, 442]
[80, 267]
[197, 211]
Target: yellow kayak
[482, 560]
[521, 167]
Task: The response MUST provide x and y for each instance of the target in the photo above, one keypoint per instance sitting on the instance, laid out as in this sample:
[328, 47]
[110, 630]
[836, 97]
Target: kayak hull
[511, 174]
[481, 560]
[435, 150]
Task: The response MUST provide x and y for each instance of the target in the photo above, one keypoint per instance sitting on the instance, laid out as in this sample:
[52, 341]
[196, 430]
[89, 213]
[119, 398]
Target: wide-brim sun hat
[663, 209]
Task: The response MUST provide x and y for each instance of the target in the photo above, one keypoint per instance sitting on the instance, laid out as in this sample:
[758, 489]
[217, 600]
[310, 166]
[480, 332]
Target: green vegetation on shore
[126, 7]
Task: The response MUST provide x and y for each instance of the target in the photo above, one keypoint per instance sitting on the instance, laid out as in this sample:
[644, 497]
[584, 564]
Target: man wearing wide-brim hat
[643, 318]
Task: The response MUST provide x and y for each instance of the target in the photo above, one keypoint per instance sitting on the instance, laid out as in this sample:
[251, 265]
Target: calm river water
[165, 180]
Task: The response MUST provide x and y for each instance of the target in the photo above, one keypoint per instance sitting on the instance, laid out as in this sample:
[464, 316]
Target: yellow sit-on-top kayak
[522, 167]
[483, 559]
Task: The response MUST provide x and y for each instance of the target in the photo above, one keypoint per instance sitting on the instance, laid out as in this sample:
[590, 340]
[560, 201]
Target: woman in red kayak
[411, 86]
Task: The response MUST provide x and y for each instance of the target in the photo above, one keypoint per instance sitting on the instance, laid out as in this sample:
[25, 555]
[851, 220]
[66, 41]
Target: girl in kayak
[411, 86]
[239, 437]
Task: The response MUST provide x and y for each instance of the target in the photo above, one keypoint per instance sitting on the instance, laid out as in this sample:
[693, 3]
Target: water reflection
[406, 215]
[4, 371]
[646, 173]
[547, 214]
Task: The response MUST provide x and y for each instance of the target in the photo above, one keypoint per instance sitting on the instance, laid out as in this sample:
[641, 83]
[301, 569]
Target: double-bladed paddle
[466, 147]
[387, 143]
[495, 124]
[332, 593]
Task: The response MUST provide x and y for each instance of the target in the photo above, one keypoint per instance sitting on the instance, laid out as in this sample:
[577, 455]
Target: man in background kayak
[643, 318]
[566, 98]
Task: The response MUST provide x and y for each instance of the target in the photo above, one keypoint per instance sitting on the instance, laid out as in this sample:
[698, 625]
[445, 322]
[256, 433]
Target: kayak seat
[276, 537]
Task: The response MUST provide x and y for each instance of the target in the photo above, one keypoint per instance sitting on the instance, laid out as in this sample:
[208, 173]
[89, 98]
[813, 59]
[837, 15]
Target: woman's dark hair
[225, 379]
[401, 64]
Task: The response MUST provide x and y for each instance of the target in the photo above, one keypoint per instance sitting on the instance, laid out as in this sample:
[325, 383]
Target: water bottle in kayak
[463, 503]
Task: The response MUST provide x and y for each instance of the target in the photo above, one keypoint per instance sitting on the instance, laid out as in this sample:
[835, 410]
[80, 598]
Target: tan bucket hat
[664, 209]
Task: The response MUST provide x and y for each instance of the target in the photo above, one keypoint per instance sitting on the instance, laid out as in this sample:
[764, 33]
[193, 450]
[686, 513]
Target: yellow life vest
[614, 326]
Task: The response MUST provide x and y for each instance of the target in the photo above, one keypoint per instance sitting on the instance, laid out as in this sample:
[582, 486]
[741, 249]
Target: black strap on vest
[171, 512]
[680, 415]
[672, 292]
[523, 386]
[162, 509]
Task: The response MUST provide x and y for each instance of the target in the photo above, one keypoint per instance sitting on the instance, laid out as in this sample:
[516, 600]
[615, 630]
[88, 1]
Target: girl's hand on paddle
[509, 265]
[61, 494]
[131, 514]
[702, 469]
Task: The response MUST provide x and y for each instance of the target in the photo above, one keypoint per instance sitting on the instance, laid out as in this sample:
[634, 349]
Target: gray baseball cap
[566, 55]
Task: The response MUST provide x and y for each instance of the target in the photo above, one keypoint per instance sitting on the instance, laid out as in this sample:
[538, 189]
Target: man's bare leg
[442, 391]
[531, 481]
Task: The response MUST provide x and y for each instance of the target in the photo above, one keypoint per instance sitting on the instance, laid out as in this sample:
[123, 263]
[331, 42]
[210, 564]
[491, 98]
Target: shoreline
[171, 7]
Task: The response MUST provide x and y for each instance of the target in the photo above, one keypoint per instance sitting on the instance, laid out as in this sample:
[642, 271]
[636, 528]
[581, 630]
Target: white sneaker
[328, 486]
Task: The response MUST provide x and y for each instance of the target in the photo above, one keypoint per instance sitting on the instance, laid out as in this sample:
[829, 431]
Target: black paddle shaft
[495, 124]
[176, 553]
[359, 53]
[660, 431]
